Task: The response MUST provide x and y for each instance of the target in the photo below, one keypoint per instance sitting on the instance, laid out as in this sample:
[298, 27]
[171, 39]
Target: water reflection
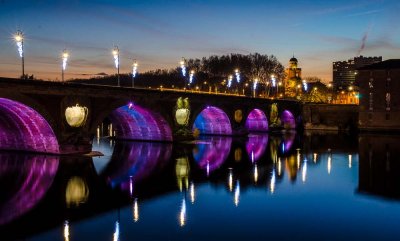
[211, 152]
[134, 161]
[24, 181]
[255, 146]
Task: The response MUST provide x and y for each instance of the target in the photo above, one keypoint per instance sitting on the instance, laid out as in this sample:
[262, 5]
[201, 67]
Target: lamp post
[255, 87]
[191, 77]
[115, 53]
[183, 67]
[65, 56]
[273, 82]
[19, 39]
[134, 72]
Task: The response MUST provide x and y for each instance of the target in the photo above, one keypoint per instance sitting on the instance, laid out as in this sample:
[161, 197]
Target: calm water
[265, 187]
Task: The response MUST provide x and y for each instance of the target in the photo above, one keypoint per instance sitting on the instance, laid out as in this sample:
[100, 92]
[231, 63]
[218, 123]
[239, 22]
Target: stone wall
[330, 117]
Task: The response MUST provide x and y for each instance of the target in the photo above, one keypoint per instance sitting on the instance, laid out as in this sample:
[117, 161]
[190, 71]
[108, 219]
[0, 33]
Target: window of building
[371, 101]
[387, 101]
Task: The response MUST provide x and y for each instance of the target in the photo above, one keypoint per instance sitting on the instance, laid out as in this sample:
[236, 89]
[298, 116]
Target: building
[293, 78]
[379, 86]
[344, 72]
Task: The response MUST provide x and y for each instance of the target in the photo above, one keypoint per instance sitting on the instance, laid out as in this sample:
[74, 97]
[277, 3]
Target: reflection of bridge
[33, 114]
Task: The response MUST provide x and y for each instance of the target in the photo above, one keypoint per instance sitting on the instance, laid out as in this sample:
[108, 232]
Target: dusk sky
[159, 32]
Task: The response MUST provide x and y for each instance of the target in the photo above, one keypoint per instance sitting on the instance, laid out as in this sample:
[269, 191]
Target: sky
[158, 33]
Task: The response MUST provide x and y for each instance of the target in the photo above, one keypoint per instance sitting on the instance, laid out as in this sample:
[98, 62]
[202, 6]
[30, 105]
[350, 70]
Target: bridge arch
[23, 128]
[212, 121]
[133, 122]
[256, 121]
[288, 120]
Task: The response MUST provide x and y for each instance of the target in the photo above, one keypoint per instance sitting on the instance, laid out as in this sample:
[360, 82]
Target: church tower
[293, 78]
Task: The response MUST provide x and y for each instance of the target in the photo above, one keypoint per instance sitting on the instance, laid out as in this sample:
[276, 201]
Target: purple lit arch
[23, 128]
[136, 123]
[256, 121]
[288, 120]
[213, 121]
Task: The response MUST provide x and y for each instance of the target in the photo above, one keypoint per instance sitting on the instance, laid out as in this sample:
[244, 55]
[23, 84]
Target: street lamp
[237, 74]
[230, 81]
[64, 57]
[115, 53]
[19, 39]
[134, 72]
[191, 77]
[183, 67]
[255, 87]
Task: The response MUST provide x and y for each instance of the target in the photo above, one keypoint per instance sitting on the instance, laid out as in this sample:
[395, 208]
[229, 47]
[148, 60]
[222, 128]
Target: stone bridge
[63, 118]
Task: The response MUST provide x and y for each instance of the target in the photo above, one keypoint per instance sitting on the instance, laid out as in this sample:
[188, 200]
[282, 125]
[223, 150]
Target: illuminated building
[293, 78]
[344, 72]
[379, 98]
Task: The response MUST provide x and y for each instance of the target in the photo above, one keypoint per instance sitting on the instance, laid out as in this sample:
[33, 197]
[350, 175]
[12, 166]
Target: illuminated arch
[31, 178]
[211, 154]
[213, 121]
[256, 121]
[132, 122]
[288, 120]
[23, 128]
[256, 146]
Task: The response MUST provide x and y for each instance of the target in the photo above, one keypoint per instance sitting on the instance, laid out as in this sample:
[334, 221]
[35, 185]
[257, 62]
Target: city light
[134, 72]
[183, 67]
[255, 87]
[191, 77]
[273, 80]
[305, 86]
[230, 81]
[65, 56]
[237, 74]
[115, 53]
[19, 39]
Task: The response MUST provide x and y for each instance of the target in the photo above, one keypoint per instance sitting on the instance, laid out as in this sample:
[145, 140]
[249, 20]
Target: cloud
[365, 13]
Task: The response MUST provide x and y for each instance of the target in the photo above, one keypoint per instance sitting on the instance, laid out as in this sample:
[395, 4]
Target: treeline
[211, 72]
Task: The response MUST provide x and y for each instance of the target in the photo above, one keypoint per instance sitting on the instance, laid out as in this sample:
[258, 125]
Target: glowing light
[134, 68]
[315, 157]
[182, 214]
[255, 173]
[131, 185]
[237, 75]
[237, 193]
[192, 193]
[305, 86]
[77, 191]
[273, 80]
[230, 81]
[272, 183]
[350, 160]
[329, 167]
[65, 56]
[135, 210]
[255, 84]
[116, 232]
[279, 167]
[76, 115]
[208, 168]
[230, 180]
[66, 230]
[191, 77]
[115, 53]
[183, 67]
[304, 171]
[19, 39]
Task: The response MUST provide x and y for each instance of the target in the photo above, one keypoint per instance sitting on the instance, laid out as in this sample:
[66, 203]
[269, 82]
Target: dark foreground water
[278, 187]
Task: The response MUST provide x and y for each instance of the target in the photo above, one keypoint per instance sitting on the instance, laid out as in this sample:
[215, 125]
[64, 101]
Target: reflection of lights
[131, 185]
[192, 194]
[315, 157]
[135, 210]
[182, 214]
[273, 180]
[230, 180]
[110, 130]
[283, 147]
[304, 171]
[279, 167]
[182, 172]
[237, 193]
[255, 173]
[66, 230]
[329, 164]
[116, 232]
[77, 191]
[350, 160]
[98, 135]
[298, 157]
